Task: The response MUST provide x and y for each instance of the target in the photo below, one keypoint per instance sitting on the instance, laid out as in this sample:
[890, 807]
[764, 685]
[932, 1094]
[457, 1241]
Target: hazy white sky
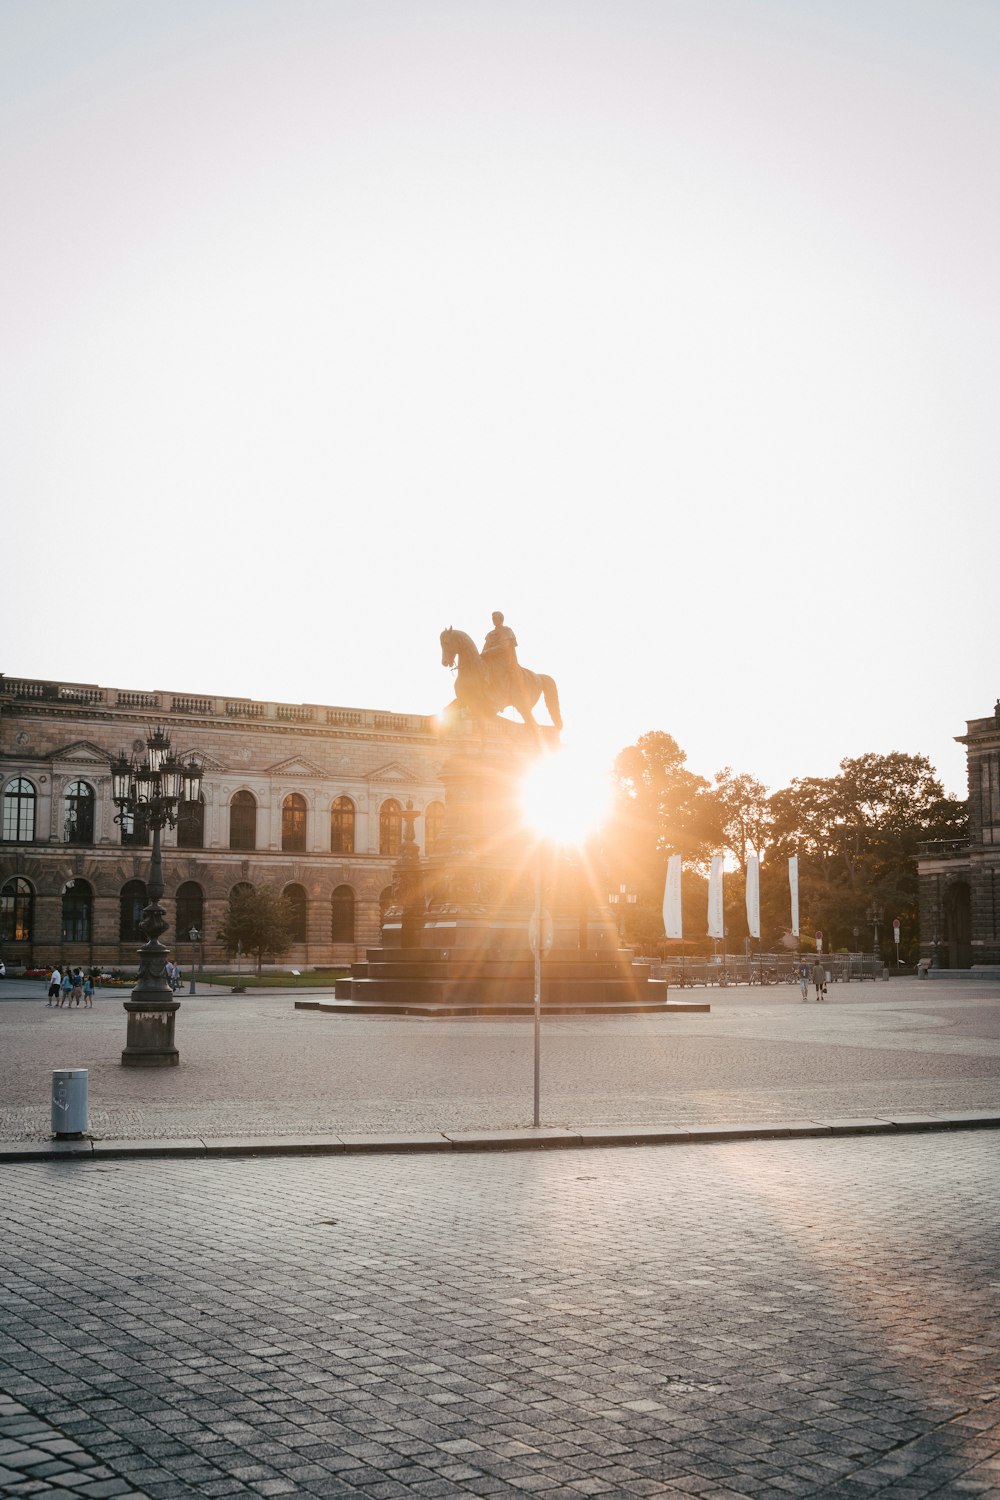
[667, 327]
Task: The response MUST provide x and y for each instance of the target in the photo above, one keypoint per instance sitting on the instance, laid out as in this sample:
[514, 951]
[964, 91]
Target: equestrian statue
[486, 683]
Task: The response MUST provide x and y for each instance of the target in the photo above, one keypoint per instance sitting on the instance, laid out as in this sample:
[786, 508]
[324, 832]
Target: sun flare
[566, 795]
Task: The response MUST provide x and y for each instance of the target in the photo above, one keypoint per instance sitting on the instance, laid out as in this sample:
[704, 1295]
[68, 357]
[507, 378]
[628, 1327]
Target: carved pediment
[82, 753]
[296, 766]
[392, 771]
[207, 762]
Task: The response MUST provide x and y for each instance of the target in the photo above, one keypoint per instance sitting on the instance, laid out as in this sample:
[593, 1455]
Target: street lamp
[194, 935]
[875, 915]
[623, 897]
[149, 792]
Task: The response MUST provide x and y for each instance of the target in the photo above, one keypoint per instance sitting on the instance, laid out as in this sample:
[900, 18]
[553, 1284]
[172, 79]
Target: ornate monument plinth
[457, 939]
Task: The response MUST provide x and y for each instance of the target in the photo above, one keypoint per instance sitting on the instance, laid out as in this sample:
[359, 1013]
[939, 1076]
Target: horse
[476, 692]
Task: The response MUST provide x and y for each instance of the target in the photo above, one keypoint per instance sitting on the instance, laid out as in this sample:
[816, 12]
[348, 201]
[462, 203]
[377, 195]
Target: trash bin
[69, 1102]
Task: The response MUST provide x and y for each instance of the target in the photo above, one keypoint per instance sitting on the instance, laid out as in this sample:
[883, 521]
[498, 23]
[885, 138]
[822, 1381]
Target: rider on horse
[499, 656]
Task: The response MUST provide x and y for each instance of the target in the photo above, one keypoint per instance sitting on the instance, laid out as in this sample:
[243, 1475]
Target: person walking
[66, 990]
[88, 992]
[819, 979]
[54, 981]
[804, 983]
[77, 986]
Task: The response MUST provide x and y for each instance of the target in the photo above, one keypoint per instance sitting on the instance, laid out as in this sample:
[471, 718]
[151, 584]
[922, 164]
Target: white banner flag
[716, 918]
[753, 896]
[673, 924]
[793, 886]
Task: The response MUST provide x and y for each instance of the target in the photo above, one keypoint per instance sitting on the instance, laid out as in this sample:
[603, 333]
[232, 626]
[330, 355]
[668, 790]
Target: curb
[528, 1139]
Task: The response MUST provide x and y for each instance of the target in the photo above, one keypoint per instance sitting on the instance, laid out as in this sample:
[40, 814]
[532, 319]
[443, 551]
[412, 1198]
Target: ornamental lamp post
[148, 793]
[875, 915]
[194, 936]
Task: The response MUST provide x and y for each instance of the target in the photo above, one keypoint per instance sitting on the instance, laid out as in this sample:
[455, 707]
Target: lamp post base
[149, 1040]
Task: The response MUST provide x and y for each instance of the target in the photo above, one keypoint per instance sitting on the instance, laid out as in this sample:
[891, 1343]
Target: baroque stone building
[305, 797]
[960, 881]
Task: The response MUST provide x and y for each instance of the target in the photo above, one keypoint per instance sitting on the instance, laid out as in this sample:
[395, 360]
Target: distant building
[301, 796]
[960, 881]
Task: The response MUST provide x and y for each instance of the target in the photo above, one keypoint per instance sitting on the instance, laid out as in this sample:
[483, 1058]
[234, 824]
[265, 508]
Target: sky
[669, 328]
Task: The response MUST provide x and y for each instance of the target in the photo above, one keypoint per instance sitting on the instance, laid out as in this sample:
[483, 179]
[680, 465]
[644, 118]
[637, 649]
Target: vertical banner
[753, 896]
[716, 918]
[793, 886]
[673, 924]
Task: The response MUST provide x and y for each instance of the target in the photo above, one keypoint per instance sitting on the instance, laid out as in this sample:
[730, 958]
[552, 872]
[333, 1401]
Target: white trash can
[69, 1101]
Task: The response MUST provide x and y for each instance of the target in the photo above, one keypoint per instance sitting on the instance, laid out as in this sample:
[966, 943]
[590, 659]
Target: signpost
[819, 941]
[895, 933]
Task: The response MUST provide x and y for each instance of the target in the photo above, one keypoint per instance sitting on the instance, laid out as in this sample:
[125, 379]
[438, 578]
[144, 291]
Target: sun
[565, 795]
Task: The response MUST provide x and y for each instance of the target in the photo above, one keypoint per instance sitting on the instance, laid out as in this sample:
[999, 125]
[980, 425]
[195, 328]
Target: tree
[259, 920]
[743, 814]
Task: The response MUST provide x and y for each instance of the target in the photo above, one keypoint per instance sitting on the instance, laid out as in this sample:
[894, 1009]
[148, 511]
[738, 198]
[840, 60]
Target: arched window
[342, 826]
[78, 813]
[17, 911]
[241, 888]
[243, 821]
[190, 908]
[77, 912]
[191, 827]
[342, 915]
[293, 823]
[295, 899]
[433, 826]
[131, 905]
[390, 827]
[19, 811]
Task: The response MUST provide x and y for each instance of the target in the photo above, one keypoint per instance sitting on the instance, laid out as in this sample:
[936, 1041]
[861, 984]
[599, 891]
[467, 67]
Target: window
[342, 915]
[190, 907]
[19, 811]
[433, 827]
[342, 826]
[78, 813]
[295, 899]
[17, 911]
[131, 905]
[135, 829]
[293, 822]
[243, 821]
[390, 827]
[77, 911]
[191, 827]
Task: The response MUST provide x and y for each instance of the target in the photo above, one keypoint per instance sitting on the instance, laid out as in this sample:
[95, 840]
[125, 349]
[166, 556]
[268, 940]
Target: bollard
[69, 1102]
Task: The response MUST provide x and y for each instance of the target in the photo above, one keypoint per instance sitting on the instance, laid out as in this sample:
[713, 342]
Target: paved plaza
[795, 1317]
[252, 1065]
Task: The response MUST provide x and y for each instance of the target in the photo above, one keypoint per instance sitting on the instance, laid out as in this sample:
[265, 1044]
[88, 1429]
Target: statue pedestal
[457, 941]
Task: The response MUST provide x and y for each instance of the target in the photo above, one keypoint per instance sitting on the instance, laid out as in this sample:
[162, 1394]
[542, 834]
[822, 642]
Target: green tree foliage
[259, 920]
[856, 836]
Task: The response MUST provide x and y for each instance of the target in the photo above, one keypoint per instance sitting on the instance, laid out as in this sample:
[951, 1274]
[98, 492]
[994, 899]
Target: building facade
[303, 797]
[960, 881]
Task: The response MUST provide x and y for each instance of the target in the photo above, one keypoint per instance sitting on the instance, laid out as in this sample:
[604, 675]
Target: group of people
[174, 976]
[71, 987]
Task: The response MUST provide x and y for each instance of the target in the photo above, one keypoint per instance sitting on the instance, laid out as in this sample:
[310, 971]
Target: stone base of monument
[457, 940]
[488, 969]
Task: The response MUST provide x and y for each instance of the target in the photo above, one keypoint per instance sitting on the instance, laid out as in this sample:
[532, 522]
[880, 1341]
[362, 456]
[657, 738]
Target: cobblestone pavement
[253, 1065]
[785, 1318]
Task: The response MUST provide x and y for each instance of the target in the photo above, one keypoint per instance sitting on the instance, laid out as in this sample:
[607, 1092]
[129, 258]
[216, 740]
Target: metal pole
[538, 985]
[194, 935]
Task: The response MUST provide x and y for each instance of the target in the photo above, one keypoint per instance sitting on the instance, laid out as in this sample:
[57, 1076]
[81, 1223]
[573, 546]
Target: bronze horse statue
[483, 693]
